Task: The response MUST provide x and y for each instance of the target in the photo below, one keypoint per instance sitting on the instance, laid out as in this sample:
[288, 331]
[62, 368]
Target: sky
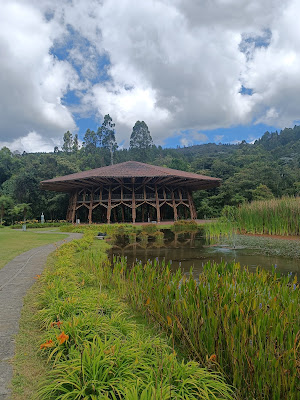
[204, 71]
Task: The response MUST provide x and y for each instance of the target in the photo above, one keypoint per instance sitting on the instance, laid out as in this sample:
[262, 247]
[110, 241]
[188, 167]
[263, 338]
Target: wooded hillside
[268, 168]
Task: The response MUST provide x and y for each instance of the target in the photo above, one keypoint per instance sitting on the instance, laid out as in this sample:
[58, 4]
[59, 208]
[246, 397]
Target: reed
[244, 324]
[272, 217]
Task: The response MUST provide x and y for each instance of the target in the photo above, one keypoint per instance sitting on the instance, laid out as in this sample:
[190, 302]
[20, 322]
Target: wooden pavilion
[130, 192]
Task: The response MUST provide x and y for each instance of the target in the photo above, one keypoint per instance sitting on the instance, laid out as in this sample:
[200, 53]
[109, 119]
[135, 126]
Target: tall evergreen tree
[108, 136]
[90, 140]
[141, 139]
[75, 146]
[68, 142]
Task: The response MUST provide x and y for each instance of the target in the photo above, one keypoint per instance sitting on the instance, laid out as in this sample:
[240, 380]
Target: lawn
[13, 243]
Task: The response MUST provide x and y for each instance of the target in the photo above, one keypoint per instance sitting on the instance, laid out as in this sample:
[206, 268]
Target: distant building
[130, 192]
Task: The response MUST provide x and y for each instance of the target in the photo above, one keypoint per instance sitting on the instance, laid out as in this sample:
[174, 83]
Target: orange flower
[213, 358]
[62, 338]
[48, 344]
[148, 301]
[57, 323]
[37, 277]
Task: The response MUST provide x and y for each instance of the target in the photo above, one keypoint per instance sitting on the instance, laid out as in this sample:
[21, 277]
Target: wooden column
[133, 203]
[109, 205]
[74, 207]
[70, 207]
[174, 206]
[180, 194]
[192, 206]
[91, 206]
[157, 204]
[122, 205]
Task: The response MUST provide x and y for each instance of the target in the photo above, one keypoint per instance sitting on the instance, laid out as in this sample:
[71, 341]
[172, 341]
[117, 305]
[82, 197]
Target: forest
[266, 169]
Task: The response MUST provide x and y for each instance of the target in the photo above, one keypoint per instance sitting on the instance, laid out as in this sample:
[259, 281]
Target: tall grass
[96, 349]
[245, 324]
[272, 217]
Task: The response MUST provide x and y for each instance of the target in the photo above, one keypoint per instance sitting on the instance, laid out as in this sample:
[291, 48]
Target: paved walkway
[15, 279]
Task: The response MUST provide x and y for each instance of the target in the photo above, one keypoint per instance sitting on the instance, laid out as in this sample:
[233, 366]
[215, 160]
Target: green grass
[13, 243]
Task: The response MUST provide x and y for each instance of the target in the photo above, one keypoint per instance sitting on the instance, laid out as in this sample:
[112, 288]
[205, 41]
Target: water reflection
[188, 250]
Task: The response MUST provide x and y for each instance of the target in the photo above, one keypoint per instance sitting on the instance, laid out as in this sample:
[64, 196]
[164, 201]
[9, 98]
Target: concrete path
[15, 279]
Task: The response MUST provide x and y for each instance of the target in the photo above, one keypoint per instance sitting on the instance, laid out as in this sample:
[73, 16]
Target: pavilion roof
[112, 174]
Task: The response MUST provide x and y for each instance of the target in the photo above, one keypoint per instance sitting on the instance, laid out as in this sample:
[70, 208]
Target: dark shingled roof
[129, 169]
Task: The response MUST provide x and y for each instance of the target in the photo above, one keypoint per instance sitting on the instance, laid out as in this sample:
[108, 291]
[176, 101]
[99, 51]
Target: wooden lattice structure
[130, 191]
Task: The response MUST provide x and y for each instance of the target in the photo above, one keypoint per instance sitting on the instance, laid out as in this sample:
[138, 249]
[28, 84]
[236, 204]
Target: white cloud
[218, 138]
[190, 138]
[33, 142]
[32, 81]
[177, 64]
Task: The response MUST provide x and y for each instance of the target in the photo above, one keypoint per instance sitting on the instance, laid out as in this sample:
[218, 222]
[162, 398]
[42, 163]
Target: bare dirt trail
[16, 278]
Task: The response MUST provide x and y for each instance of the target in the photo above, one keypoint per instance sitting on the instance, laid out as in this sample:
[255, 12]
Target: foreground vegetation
[249, 321]
[13, 243]
[243, 325]
[95, 349]
[272, 217]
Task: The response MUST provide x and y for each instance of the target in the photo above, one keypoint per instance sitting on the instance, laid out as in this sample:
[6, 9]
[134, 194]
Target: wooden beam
[157, 205]
[91, 207]
[192, 206]
[109, 205]
[174, 206]
[133, 203]
[74, 208]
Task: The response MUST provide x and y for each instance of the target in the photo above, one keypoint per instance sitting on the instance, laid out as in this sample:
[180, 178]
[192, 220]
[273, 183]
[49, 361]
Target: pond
[188, 250]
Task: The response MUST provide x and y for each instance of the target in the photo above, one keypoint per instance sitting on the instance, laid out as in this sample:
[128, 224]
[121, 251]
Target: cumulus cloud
[180, 65]
[31, 143]
[32, 82]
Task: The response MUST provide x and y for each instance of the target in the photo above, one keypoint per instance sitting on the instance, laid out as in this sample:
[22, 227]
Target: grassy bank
[94, 346]
[272, 217]
[244, 325]
[13, 243]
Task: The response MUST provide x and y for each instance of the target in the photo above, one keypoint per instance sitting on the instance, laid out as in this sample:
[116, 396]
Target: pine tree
[68, 142]
[141, 139]
[108, 136]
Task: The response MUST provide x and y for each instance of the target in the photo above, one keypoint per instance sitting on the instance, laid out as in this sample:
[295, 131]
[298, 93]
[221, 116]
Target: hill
[268, 168]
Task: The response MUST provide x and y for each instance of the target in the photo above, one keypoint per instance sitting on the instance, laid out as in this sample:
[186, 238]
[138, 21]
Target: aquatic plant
[245, 324]
[273, 217]
[184, 226]
[149, 228]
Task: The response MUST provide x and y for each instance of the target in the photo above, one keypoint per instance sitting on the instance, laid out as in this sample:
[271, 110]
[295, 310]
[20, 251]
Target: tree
[75, 146]
[5, 203]
[21, 210]
[90, 140]
[262, 192]
[141, 139]
[99, 135]
[68, 142]
[108, 136]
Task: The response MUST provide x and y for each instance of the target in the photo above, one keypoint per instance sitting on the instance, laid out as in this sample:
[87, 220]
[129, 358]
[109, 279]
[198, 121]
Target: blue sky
[195, 72]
